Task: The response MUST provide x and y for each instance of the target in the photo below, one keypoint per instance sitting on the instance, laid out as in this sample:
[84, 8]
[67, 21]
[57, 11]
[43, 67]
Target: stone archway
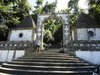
[40, 28]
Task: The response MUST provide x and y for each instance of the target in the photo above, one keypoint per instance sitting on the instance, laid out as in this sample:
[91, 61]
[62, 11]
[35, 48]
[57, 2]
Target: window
[20, 35]
[91, 33]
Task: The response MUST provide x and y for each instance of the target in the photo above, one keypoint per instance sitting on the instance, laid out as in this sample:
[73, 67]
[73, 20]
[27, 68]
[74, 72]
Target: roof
[27, 22]
[85, 21]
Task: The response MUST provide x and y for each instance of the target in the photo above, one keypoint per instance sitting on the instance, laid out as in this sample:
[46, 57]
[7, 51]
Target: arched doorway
[40, 27]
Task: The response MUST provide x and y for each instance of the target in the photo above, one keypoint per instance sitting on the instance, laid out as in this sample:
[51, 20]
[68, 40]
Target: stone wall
[8, 55]
[10, 50]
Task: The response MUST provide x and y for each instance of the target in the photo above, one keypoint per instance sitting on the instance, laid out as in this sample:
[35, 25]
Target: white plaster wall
[27, 35]
[98, 33]
[82, 33]
[6, 56]
[90, 56]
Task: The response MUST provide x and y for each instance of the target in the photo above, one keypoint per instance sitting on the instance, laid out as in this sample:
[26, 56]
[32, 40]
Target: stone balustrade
[16, 45]
[84, 45]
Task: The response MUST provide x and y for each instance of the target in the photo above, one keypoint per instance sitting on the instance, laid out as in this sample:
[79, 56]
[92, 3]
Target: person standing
[38, 46]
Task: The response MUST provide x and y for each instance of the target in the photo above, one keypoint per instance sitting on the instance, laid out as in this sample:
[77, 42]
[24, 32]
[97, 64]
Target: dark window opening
[20, 35]
[91, 33]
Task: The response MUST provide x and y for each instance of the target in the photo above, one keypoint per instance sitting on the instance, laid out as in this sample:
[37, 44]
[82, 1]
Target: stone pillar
[39, 32]
[66, 31]
[42, 37]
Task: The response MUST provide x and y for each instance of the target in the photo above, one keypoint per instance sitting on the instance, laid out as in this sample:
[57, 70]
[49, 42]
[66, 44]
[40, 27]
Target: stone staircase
[47, 63]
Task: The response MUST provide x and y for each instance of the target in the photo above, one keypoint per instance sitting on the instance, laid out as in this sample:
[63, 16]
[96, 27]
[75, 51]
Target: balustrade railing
[93, 45]
[15, 45]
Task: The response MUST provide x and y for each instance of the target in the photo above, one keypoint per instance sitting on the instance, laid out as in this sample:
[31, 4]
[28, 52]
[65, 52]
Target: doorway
[41, 28]
[53, 32]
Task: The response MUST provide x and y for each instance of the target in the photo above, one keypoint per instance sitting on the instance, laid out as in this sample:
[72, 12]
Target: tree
[49, 7]
[94, 10]
[39, 7]
[52, 25]
[14, 10]
[73, 15]
[73, 11]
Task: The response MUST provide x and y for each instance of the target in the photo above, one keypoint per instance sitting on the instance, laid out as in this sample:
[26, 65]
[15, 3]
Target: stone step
[4, 74]
[52, 56]
[49, 63]
[45, 60]
[50, 68]
[48, 56]
[60, 58]
[46, 63]
[47, 53]
[41, 72]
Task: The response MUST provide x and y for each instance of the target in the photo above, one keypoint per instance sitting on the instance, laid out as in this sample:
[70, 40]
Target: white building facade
[87, 29]
[25, 31]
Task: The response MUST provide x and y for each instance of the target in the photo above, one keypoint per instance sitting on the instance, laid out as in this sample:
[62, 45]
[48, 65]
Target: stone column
[42, 36]
[66, 31]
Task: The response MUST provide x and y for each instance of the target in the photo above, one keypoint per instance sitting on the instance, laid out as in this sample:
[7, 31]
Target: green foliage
[51, 26]
[39, 2]
[3, 32]
[39, 7]
[49, 7]
[73, 12]
[23, 7]
[3, 28]
[94, 10]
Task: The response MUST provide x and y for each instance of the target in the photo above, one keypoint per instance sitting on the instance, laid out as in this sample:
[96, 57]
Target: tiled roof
[85, 21]
[27, 23]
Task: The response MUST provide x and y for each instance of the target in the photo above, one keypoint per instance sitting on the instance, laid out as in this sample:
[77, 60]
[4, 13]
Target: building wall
[26, 35]
[6, 55]
[90, 56]
[82, 33]
[98, 33]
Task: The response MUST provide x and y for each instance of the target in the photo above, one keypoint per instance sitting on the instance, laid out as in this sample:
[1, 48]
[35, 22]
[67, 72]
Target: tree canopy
[73, 11]
[46, 8]
[94, 10]
[52, 25]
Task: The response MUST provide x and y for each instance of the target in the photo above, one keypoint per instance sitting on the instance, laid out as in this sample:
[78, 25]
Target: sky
[62, 4]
